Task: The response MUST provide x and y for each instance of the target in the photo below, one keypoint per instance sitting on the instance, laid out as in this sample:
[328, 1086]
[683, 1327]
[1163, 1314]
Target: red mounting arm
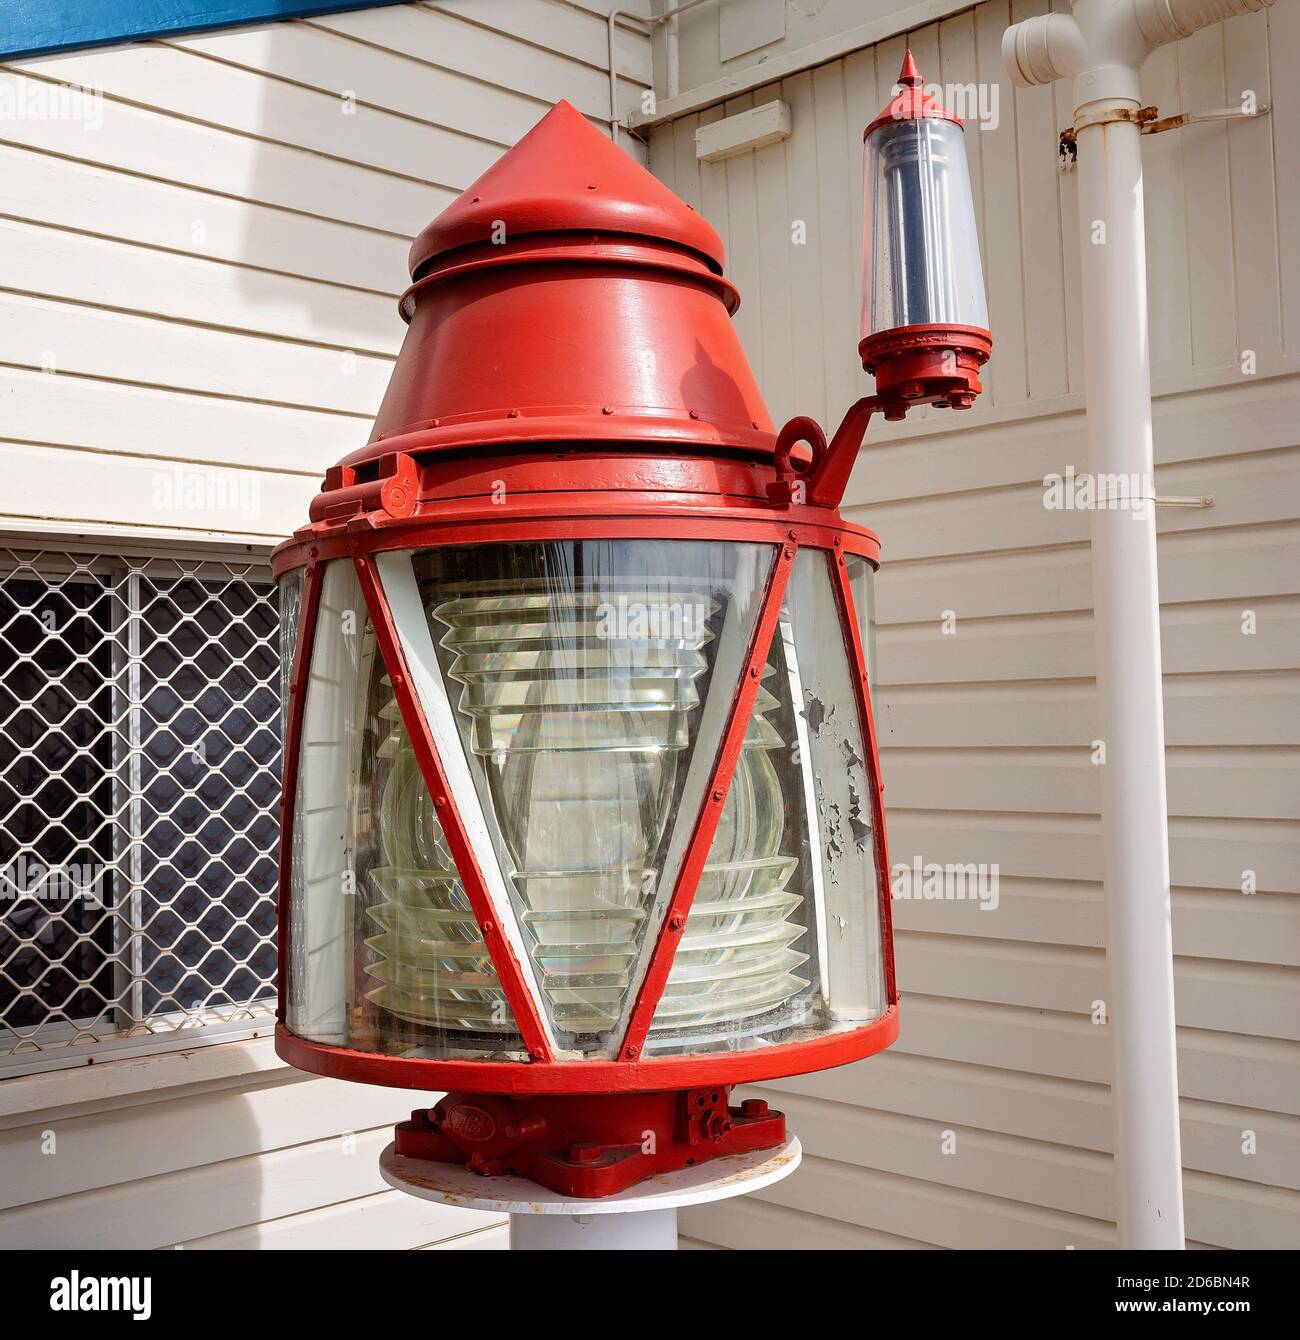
[823, 480]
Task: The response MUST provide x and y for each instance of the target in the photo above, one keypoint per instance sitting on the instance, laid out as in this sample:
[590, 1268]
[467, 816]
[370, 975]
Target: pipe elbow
[1049, 47]
[1162, 21]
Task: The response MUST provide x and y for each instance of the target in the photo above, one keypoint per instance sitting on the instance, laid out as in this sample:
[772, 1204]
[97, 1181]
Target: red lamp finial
[909, 76]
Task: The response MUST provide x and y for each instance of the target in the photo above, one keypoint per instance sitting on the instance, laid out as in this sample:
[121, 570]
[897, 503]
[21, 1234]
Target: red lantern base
[589, 1145]
[928, 364]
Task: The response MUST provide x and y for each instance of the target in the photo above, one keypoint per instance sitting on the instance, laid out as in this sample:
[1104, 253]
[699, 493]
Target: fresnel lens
[582, 803]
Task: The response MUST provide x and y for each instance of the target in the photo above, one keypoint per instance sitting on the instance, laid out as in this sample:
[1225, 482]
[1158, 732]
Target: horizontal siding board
[104, 417]
[386, 1221]
[1207, 923]
[580, 31]
[150, 1212]
[748, 1223]
[1204, 853]
[155, 148]
[1231, 783]
[496, 1238]
[1211, 709]
[1240, 563]
[135, 492]
[1260, 1000]
[95, 342]
[1247, 490]
[50, 262]
[1195, 639]
[963, 453]
[210, 92]
[1214, 1067]
[480, 53]
[944, 1216]
[1050, 1176]
[111, 1148]
[376, 77]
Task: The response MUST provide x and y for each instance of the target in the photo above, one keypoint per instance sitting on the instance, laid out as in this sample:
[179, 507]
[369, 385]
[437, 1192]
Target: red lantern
[582, 806]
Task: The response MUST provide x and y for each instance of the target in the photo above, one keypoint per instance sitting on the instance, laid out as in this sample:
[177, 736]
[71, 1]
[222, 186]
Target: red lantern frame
[604, 498]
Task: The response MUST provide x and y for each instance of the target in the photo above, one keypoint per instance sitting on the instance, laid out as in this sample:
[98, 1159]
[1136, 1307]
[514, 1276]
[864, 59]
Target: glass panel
[862, 582]
[385, 953]
[783, 939]
[290, 600]
[322, 872]
[922, 260]
[590, 683]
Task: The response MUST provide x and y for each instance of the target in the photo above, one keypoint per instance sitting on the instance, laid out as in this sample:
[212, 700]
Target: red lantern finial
[912, 102]
[568, 296]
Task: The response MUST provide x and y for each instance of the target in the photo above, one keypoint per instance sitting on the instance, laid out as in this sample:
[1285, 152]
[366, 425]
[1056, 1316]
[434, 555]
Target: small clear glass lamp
[923, 286]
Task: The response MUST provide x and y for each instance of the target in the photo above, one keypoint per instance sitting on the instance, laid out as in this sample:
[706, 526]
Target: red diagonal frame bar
[862, 693]
[301, 672]
[499, 949]
[706, 824]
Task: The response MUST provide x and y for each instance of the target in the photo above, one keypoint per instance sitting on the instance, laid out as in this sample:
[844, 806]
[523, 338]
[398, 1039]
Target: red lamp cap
[566, 176]
[912, 102]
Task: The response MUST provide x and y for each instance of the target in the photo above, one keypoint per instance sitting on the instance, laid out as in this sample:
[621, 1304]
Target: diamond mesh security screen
[139, 784]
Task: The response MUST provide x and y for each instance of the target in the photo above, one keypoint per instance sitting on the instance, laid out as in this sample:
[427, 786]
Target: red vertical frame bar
[502, 954]
[862, 690]
[706, 823]
[308, 607]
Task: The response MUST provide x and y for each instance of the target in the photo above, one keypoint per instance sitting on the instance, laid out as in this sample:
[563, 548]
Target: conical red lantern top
[565, 175]
[912, 102]
[569, 297]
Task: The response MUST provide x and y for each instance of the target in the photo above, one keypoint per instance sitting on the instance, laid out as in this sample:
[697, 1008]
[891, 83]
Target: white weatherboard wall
[209, 278]
[987, 732]
[206, 282]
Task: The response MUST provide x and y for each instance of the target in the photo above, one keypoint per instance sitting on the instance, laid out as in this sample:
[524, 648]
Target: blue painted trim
[38, 27]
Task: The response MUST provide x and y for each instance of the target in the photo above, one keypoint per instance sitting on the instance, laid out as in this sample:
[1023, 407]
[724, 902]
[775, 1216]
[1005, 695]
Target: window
[140, 740]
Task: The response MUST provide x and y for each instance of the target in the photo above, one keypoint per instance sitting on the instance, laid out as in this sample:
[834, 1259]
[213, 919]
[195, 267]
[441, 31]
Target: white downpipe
[1101, 46]
[1126, 622]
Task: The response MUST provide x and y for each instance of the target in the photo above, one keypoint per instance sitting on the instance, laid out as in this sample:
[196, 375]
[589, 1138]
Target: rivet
[440, 801]
[607, 409]
[677, 921]
[695, 414]
[514, 414]
[489, 926]
[630, 1053]
[717, 797]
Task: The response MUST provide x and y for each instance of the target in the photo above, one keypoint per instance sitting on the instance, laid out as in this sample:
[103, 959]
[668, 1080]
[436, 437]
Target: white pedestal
[644, 1217]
